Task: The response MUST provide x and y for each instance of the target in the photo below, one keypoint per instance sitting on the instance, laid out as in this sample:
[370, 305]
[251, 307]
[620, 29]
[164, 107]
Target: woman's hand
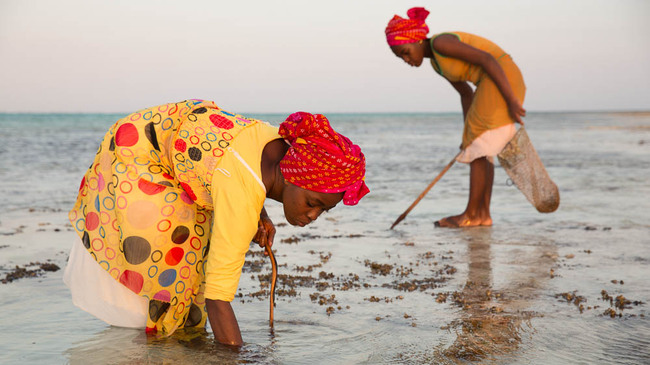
[516, 111]
[265, 231]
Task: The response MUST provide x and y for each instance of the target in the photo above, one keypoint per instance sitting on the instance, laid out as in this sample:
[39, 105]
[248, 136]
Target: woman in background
[489, 111]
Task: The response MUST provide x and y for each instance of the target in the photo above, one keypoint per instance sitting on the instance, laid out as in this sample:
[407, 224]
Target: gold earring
[420, 41]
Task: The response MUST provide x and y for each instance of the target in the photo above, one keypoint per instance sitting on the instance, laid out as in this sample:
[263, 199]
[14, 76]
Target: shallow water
[416, 294]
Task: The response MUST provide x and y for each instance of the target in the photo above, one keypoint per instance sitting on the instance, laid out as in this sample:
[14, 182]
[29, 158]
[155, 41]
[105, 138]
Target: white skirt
[94, 290]
[489, 144]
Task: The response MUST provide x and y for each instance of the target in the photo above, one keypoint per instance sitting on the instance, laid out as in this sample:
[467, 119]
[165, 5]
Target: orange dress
[489, 110]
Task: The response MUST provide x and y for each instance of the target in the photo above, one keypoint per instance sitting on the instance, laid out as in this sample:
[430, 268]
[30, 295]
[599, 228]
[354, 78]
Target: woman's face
[302, 206]
[411, 53]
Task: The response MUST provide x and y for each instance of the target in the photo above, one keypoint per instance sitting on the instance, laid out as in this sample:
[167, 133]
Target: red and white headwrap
[321, 159]
[402, 31]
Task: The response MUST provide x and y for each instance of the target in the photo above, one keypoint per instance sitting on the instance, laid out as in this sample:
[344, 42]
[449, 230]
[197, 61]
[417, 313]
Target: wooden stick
[401, 217]
[274, 279]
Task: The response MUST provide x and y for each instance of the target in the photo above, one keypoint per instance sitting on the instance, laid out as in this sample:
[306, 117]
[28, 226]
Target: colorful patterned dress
[170, 205]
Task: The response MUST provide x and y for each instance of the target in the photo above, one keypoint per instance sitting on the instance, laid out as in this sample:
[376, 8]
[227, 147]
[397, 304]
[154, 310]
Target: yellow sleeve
[238, 200]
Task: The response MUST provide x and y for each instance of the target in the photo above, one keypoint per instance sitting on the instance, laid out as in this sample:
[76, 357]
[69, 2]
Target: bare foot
[462, 220]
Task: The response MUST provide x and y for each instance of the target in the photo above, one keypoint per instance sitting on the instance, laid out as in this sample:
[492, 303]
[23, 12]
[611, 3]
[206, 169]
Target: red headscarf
[402, 31]
[321, 159]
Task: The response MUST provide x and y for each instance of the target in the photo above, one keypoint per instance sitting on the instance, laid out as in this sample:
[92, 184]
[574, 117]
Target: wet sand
[467, 295]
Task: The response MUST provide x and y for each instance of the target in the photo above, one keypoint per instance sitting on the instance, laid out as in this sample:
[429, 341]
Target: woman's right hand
[265, 231]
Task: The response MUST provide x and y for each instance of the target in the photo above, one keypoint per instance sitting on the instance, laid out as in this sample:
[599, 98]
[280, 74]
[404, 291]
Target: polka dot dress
[144, 209]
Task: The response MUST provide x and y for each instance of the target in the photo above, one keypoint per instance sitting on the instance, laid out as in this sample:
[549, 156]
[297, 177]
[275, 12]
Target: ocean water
[569, 287]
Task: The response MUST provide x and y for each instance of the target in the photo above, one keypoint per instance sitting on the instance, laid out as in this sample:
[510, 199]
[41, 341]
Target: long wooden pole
[274, 279]
[401, 217]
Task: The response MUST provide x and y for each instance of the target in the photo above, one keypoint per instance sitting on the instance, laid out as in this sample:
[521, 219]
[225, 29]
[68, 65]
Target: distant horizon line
[365, 113]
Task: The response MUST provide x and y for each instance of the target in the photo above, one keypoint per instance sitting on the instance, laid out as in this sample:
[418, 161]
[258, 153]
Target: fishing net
[525, 168]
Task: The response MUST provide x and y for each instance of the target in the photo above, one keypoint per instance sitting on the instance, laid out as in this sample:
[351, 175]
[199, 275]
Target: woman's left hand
[265, 232]
[516, 111]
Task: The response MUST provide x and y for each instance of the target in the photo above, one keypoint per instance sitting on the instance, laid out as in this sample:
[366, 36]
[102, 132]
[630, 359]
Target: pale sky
[263, 56]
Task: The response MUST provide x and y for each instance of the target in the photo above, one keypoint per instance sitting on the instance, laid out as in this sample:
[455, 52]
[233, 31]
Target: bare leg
[489, 181]
[477, 212]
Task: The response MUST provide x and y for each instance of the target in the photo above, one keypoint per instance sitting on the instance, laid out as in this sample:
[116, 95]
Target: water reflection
[494, 318]
[117, 345]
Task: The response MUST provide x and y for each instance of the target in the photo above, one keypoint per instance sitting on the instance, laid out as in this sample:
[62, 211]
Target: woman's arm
[223, 322]
[466, 95]
[234, 223]
[448, 45]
